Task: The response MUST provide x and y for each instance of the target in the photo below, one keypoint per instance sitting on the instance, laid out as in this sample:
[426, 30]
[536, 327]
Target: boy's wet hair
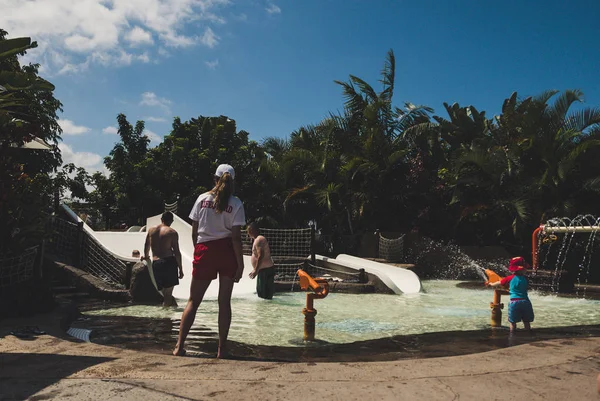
[253, 226]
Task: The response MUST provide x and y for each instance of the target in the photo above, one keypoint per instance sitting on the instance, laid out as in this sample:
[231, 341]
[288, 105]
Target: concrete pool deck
[52, 366]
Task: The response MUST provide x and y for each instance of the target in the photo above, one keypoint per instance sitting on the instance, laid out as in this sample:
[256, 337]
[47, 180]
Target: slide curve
[399, 280]
[121, 244]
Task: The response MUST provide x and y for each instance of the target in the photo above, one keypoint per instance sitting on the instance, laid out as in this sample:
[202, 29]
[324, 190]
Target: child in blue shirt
[519, 308]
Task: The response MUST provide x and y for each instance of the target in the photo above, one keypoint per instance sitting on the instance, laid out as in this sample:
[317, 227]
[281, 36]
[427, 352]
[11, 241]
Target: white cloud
[209, 38]
[144, 58]
[150, 99]
[92, 162]
[241, 17]
[71, 34]
[212, 64]
[70, 128]
[156, 119]
[138, 36]
[112, 130]
[163, 52]
[273, 9]
[154, 138]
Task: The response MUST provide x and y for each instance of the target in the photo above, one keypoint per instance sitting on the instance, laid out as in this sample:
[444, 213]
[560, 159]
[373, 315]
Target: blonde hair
[222, 192]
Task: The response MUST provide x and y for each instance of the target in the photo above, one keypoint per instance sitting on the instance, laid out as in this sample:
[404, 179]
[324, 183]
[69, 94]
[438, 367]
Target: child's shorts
[520, 310]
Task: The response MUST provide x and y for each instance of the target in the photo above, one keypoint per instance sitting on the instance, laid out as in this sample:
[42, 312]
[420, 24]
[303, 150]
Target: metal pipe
[534, 246]
[573, 229]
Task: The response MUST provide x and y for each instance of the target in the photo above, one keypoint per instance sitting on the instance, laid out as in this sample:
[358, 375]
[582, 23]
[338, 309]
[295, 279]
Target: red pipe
[534, 246]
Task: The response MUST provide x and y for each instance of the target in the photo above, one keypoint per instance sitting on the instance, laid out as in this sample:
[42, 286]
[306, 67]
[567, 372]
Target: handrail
[90, 232]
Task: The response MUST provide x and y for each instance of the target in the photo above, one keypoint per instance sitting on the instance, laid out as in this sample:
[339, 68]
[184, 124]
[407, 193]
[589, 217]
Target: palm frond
[557, 112]
[544, 97]
[592, 184]
[354, 103]
[388, 76]
[365, 88]
[581, 120]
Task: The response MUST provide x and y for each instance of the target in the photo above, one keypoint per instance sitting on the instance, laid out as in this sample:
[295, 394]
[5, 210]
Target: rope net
[100, 263]
[391, 250]
[290, 249]
[18, 268]
[63, 241]
[72, 245]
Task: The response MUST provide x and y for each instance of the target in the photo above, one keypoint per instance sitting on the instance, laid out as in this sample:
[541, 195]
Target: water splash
[554, 227]
[448, 261]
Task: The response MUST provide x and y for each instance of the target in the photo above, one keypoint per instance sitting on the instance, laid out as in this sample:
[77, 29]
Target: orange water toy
[496, 305]
[320, 288]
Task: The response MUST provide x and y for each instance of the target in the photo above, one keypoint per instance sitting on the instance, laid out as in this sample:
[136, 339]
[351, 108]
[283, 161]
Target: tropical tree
[27, 111]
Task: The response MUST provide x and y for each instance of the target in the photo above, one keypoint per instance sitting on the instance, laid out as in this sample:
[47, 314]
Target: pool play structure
[121, 244]
[414, 308]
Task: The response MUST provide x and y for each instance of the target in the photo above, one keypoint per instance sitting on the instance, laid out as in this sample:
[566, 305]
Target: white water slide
[121, 244]
[399, 280]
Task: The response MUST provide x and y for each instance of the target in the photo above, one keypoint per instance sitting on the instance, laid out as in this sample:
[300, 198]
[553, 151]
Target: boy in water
[262, 263]
[166, 257]
[520, 307]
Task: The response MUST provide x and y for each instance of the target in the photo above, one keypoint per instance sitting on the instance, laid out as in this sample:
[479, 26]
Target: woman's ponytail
[222, 192]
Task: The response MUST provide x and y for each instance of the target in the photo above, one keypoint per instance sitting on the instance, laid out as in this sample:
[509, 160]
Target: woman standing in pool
[217, 218]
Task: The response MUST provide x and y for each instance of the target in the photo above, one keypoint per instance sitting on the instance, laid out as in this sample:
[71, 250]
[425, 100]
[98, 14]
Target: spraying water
[448, 261]
[581, 223]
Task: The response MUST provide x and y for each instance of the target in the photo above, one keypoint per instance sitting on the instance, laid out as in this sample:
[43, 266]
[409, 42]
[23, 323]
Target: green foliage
[27, 110]
[458, 176]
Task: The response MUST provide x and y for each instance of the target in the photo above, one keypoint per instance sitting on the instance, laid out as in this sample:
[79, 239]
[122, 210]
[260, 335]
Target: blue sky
[270, 65]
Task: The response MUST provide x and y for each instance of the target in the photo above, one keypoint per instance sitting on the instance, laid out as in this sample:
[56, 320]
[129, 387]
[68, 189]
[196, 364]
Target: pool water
[345, 318]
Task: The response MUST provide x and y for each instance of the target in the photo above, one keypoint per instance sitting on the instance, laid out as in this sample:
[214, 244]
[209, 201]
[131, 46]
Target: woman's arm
[236, 238]
[194, 232]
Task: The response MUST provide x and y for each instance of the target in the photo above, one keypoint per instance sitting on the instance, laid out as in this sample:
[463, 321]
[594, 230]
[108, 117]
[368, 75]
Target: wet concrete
[159, 336]
[49, 366]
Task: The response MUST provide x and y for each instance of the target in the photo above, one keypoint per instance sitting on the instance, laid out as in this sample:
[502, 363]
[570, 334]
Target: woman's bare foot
[178, 351]
[222, 353]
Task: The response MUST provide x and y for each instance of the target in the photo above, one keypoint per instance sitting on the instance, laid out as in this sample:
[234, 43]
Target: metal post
[377, 235]
[40, 272]
[78, 262]
[313, 258]
[497, 307]
[309, 324]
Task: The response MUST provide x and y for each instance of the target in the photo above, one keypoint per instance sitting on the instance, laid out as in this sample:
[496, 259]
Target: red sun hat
[517, 264]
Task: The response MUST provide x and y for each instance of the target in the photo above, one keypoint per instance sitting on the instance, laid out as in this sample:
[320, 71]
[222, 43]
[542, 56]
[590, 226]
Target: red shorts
[214, 257]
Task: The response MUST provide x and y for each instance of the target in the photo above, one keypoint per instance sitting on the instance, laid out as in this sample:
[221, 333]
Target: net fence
[290, 249]
[391, 250]
[63, 241]
[72, 245]
[100, 263]
[15, 269]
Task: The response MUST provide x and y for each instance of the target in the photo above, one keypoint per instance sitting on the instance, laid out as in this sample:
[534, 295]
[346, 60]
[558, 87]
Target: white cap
[225, 168]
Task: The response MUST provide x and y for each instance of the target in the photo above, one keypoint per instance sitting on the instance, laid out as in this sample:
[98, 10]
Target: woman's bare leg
[197, 291]
[225, 289]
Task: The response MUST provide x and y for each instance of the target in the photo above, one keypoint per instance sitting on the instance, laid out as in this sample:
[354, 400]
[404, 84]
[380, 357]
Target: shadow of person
[23, 375]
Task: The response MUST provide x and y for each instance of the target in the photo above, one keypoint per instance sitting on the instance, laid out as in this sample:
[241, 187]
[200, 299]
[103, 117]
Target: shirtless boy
[166, 257]
[262, 263]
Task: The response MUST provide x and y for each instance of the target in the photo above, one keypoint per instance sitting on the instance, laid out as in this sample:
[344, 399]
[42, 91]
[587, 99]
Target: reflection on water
[344, 318]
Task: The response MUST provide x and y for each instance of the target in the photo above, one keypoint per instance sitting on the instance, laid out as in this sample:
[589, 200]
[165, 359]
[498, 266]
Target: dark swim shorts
[265, 283]
[166, 272]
